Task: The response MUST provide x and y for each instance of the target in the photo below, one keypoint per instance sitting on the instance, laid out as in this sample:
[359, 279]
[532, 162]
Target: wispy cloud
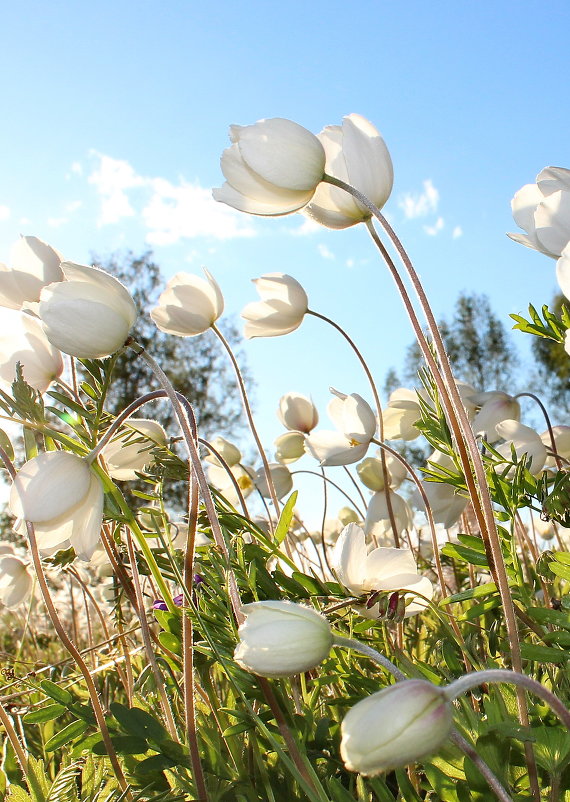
[433, 231]
[307, 227]
[170, 211]
[457, 232]
[325, 252]
[420, 204]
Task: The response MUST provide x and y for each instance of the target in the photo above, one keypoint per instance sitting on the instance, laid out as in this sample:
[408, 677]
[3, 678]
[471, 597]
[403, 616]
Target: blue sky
[116, 113]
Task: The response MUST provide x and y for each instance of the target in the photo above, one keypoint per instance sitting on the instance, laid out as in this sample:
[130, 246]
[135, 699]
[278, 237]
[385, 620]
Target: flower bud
[273, 167]
[15, 580]
[89, 315]
[281, 478]
[395, 727]
[227, 451]
[281, 310]
[127, 456]
[280, 638]
[289, 447]
[297, 412]
[189, 305]
[346, 515]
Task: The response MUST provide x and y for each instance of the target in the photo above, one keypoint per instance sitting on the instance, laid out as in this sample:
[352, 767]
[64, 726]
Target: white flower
[496, 407]
[280, 638]
[89, 315]
[382, 569]
[281, 310]
[543, 211]
[297, 412]
[371, 473]
[281, 478]
[22, 339]
[346, 515]
[563, 269]
[378, 524]
[35, 264]
[561, 441]
[356, 424]
[227, 451]
[357, 155]
[130, 452]
[401, 414]
[445, 502]
[63, 498]
[525, 441]
[395, 726]
[189, 305]
[272, 167]
[289, 447]
[244, 476]
[15, 580]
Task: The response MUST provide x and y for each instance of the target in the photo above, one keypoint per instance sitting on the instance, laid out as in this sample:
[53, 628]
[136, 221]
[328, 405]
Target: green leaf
[137, 721]
[47, 713]
[67, 734]
[57, 693]
[543, 654]
[170, 642]
[470, 593]
[545, 616]
[124, 745]
[285, 520]
[6, 444]
[464, 554]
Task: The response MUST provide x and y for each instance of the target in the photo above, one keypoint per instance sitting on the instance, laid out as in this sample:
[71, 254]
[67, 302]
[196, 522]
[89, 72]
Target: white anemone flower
[357, 155]
[243, 475]
[382, 569]
[272, 167]
[227, 451]
[371, 473]
[356, 426]
[542, 210]
[289, 447]
[189, 305]
[22, 340]
[89, 315]
[35, 264]
[281, 478]
[495, 407]
[378, 524]
[15, 581]
[297, 412]
[446, 504]
[128, 454]
[283, 306]
[525, 441]
[561, 441]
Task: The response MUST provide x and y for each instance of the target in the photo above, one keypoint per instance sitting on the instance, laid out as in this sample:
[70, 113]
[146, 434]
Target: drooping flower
[357, 155]
[525, 441]
[89, 315]
[35, 264]
[63, 498]
[297, 412]
[243, 475]
[281, 478]
[371, 473]
[22, 340]
[289, 447]
[189, 305]
[280, 639]
[543, 211]
[495, 407]
[561, 441]
[272, 167]
[378, 524]
[283, 306]
[446, 503]
[356, 426]
[15, 580]
[382, 569]
[395, 726]
[227, 451]
[131, 451]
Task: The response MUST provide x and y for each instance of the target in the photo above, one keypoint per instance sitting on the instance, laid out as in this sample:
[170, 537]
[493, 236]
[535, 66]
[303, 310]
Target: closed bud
[281, 310]
[297, 412]
[189, 305]
[395, 727]
[280, 477]
[280, 638]
[289, 447]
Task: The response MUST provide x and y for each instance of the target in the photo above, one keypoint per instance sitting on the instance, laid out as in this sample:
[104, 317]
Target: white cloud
[434, 230]
[416, 204]
[325, 252]
[350, 262]
[74, 206]
[57, 222]
[307, 227]
[77, 168]
[457, 232]
[170, 211]
[4, 212]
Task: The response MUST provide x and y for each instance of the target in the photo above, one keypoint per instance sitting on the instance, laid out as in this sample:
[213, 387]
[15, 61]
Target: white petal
[348, 559]
[49, 485]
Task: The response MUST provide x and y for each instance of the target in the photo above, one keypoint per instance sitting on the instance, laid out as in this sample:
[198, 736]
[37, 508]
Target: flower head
[357, 155]
[281, 310]
[543, 211]
[395, 726]
[22, 340]
[89, 315]
[356, 426]
[15, 580]
[35, 264]
[272, 167]
[297, 412]
[189, 305]
[127, 455]
[280, 638]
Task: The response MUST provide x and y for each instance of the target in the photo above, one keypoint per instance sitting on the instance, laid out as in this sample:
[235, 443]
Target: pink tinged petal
[48, 485]
[551, 179]
[348, 559]
[552, 220]
[282, 153]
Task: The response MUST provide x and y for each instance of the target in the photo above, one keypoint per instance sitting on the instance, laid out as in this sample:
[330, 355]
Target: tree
[197, 366]
[478, 345]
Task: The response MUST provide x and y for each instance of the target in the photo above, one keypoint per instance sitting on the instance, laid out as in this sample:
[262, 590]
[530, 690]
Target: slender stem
[548, 425]
[229, 473]
[249, 415]
[377, 657]
[484, 769]
[376, 397]
[469, 681]
[337, 487]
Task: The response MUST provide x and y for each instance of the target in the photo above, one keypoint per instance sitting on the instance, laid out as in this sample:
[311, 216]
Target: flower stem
[368, 651]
